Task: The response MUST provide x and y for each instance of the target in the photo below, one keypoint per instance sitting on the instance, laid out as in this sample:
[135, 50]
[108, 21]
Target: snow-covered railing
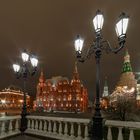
[59, 128]
[9, 126]
[120, 125]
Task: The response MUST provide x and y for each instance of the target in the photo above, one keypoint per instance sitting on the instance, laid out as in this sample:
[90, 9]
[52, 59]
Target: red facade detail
[60, 94]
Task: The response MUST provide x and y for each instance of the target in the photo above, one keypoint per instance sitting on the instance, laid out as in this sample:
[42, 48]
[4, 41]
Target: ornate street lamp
[24, 71]
[96, 48]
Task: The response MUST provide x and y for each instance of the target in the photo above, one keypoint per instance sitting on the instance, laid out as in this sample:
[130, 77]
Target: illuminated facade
[60, 94]
[127, 85]
[11, 98]
[138, 95]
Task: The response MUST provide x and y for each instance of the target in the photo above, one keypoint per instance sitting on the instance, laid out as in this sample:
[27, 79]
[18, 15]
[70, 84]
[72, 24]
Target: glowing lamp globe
[25, 56]
[16, 67]
[78, 44]
[34, 61]
[98, 21]
[121, 25]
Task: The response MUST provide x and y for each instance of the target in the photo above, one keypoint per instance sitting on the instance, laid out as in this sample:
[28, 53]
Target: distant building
[138, 95]
[12, 98]
[127, 85]
[60, 94]
[105, 96]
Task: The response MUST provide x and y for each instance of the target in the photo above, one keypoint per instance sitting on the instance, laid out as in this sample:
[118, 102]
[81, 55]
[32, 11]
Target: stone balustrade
[120, 125]
[59, 128]
[62, 128]
[9, 126]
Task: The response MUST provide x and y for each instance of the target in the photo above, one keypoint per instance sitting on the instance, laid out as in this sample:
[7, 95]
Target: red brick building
[60, 94]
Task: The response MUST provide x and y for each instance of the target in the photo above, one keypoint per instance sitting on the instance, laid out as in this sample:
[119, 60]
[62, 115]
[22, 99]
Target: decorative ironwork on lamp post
[96, 48]
[24, 71]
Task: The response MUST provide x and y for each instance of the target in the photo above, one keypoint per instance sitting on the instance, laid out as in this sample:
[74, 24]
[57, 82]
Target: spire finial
[105, 84]
[75, 69]
[41, 78]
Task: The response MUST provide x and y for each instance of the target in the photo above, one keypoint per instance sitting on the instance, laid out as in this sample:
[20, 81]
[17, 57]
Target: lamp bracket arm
[90, 50]
[107, 46]
[18, 75]
[121, 45]
[87, 55]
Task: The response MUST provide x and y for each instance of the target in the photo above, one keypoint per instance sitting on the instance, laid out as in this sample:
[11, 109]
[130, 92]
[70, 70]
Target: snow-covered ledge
[122, 124]
[9, 126]
[59, 128]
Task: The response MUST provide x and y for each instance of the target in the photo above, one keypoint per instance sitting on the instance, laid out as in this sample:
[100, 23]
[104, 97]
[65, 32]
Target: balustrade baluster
[60, 128]
[72, 131]
[66, 130]
[49, 127]
[32, 125]
[120, 136]
[10, 126]
[45, 125]
[86, 132]
[17, 125]
[36, 124]
[2, 128]
[79, 132]
[131, 135]
[29, 124]
[109, 134]
[40, 125]
[54, 128]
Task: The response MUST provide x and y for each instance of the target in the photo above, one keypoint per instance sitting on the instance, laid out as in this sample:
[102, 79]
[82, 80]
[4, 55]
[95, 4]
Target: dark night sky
[48, 28]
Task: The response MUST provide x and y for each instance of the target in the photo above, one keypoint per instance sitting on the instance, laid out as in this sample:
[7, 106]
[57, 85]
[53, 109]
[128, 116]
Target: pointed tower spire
[41, 78]
[105, 91]
[75, 73]
[75, 69]
[126, 65]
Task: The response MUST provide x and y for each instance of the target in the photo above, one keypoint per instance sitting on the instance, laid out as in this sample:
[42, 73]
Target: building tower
[105, 90]
[80, 94]
[75, 78]
[105, 96]
[127, 83]
[40, 88]
[127, 78]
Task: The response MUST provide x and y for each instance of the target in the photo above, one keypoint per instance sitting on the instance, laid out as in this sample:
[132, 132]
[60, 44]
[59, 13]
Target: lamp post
[96, 48]
[24, 71]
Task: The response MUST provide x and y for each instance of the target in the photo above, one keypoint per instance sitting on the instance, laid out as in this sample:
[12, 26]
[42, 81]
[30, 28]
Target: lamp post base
[23, 123]
[97, 128]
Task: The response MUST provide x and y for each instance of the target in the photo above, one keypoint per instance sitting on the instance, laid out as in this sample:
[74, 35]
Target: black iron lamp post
[24, 71]
[96, 48]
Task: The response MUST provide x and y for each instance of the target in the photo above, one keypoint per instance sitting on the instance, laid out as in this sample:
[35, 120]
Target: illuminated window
[69, 97]
[64, 90]
[78, 97]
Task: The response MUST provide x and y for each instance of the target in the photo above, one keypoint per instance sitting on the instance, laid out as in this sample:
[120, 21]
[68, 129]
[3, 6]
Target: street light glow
[34, 61]
[79, 44]
[16, 67]
[121, 25]
[25, 56]
[98, 21]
